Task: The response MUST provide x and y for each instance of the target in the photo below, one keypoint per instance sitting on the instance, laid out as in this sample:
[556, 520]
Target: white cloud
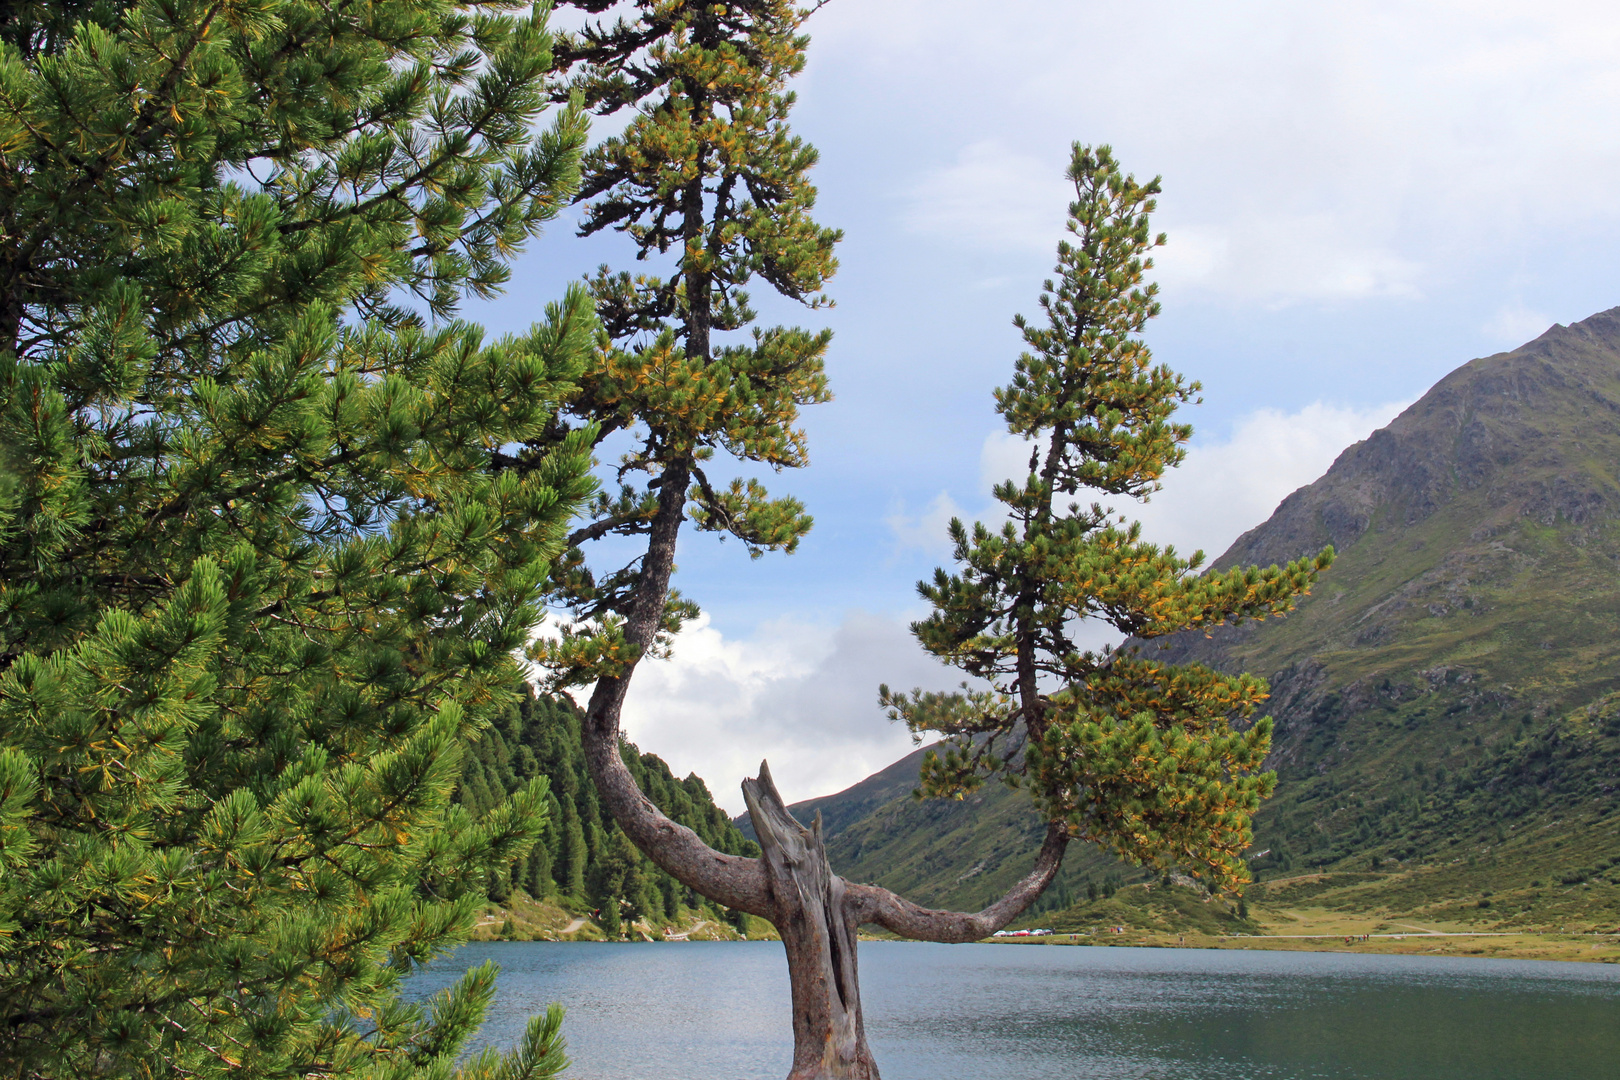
[991, 197]
[1005, 456]
[1281, 260]
[1311, 152]
[803, 697]
[1002, 457]
[1514, 324]
[926, 531]
[1223, 489]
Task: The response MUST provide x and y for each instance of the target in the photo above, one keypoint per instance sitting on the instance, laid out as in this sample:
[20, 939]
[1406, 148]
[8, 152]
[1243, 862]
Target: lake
[720, 1011]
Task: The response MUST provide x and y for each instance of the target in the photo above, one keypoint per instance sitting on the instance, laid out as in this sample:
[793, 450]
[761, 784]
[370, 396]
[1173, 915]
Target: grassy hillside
[844, 808]
[1532, 780]
[1154, 909]
[1449, 681]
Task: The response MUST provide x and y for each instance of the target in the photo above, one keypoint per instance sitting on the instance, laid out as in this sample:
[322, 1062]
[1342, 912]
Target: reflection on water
[719, 1011]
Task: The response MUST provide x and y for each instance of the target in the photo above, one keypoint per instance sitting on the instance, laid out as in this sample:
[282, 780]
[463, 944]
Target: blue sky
[1359, 198]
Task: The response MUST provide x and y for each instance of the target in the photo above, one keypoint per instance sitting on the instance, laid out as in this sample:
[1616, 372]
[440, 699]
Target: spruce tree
[262, 561]
[538, 882]
[574, 854]
[539, 736]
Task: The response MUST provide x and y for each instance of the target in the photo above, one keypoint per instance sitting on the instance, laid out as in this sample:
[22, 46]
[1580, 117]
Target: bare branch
[874, 904]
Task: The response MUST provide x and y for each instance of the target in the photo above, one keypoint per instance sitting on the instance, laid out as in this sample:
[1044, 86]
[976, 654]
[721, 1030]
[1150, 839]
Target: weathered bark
[819, 933]
[792, 885]
[732, 880]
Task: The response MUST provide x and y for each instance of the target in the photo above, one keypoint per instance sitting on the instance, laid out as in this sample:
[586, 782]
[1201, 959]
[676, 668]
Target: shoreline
[1502, 945]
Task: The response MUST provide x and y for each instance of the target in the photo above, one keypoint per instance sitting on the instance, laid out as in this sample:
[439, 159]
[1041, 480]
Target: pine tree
[708, 181]
[262, 562]
[1159, 763]
[669, 891]
[706, 172]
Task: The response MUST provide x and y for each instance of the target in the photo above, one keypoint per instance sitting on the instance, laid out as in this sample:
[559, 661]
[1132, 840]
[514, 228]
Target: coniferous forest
[581, 859]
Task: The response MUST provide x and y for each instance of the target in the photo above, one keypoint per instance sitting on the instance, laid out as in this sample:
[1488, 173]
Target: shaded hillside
[943, 852]
[964, 854]
[842, 809]
[1433, 692]
[582, 859]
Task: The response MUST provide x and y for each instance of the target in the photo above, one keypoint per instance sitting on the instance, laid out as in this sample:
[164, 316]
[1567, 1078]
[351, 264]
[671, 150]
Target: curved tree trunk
[875, 904]
[816, 911]
[819, 932]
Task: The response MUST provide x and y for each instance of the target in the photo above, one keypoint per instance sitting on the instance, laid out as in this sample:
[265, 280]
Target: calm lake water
[719, 1011]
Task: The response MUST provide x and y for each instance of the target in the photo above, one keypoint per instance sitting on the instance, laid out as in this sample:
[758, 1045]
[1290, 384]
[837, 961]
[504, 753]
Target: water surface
[720, 1011]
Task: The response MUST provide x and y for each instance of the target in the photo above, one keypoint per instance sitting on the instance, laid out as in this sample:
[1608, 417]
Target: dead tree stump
[829, 1036]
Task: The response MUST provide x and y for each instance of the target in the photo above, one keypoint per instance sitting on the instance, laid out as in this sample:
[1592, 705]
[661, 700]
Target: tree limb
[874, 904]
[733, 880]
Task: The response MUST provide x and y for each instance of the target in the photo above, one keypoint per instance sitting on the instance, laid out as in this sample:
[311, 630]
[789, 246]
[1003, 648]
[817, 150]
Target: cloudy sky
[1359, 197]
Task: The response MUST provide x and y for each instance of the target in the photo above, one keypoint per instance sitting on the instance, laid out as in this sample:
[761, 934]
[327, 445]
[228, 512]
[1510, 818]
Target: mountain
[844, 808]
[1450, 694]
[1475, 605]
[1477, 534]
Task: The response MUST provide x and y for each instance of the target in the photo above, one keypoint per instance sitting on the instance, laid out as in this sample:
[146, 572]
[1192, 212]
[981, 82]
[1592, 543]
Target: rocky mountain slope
[1444, 694]
[1475, 603]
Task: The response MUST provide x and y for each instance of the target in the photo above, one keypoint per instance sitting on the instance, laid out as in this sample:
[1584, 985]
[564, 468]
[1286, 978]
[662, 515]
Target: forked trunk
[819, 931]
[816, 911]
